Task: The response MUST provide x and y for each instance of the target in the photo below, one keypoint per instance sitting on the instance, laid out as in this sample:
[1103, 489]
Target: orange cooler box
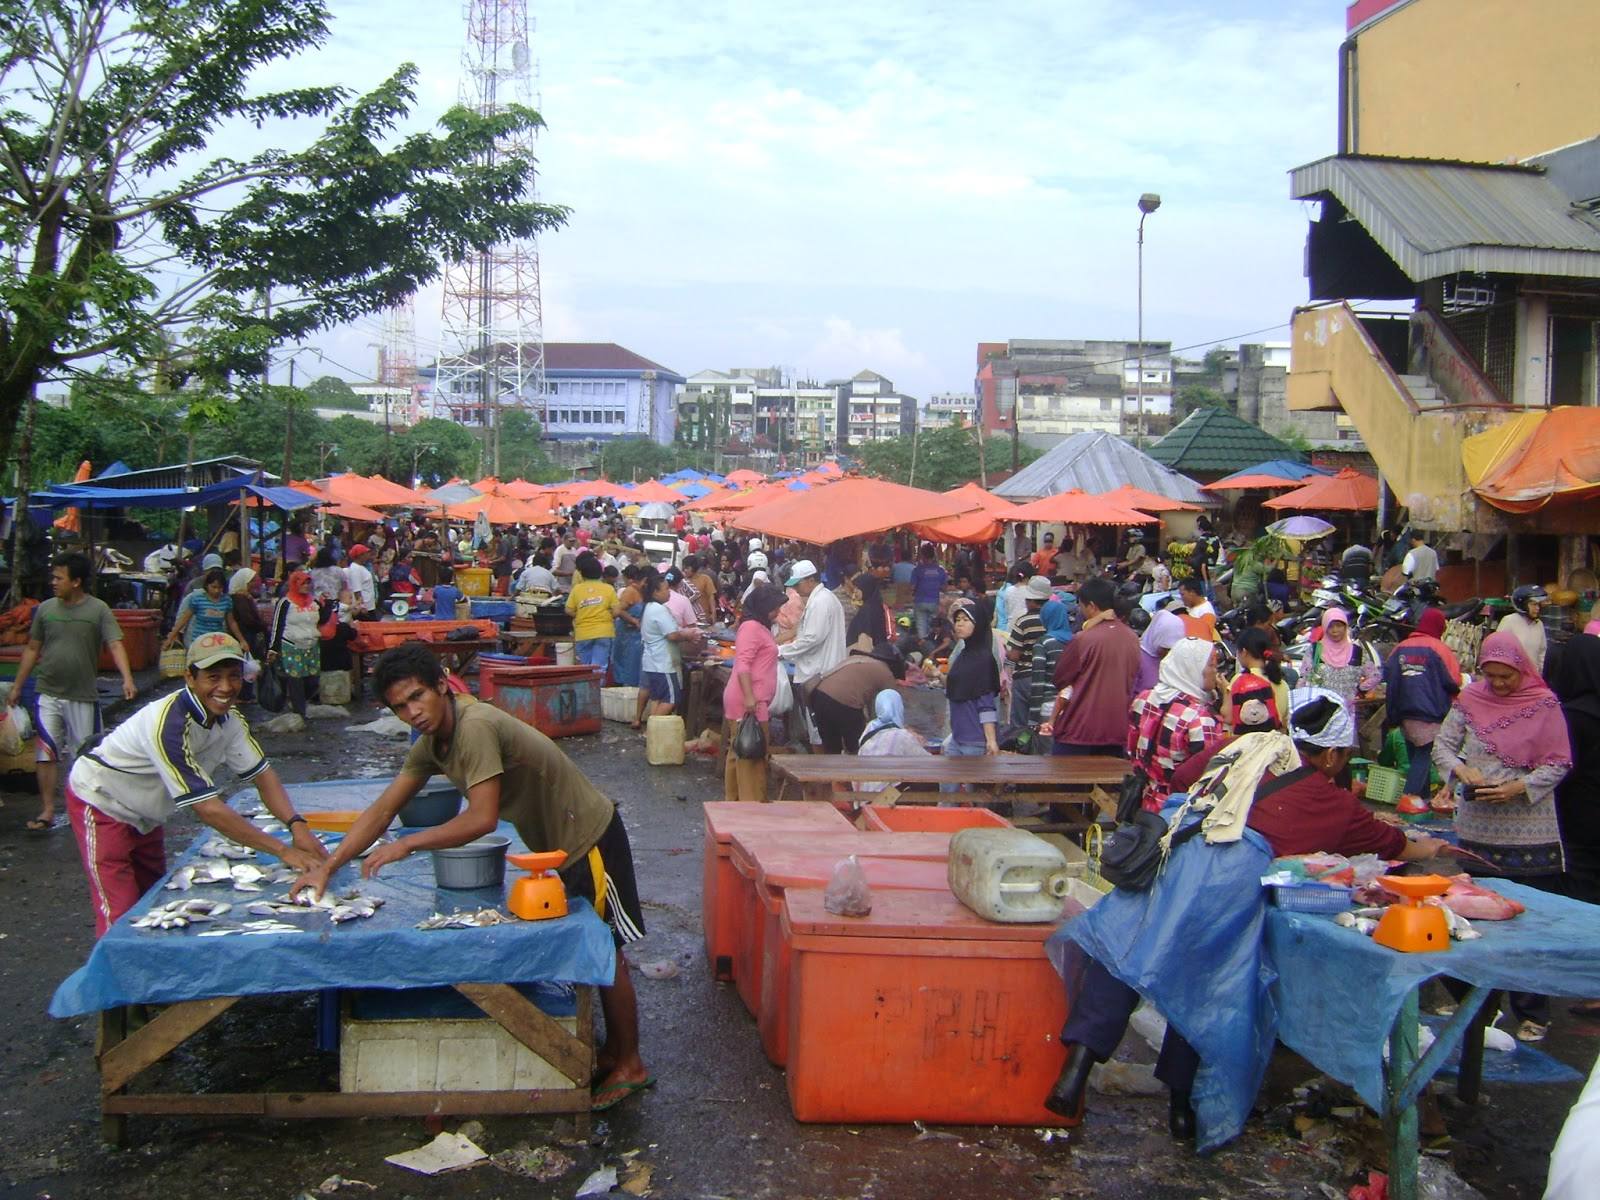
[749, 849]
[719, 882]
[913, 819]
[921, 1010]
[773, 872]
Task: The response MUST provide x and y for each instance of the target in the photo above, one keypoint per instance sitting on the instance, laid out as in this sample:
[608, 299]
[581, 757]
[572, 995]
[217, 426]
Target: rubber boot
[1180, 1117]
[1066, 1099]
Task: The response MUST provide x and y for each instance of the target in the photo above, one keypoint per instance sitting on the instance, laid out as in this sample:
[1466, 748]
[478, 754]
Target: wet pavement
[716, 1125]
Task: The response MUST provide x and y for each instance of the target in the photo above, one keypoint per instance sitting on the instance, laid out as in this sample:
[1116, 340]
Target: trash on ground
[664, 969]
[387, 725]
[1149, 1024]
[326, 712]
[1117, 1078]
[598, 1184]
[447, 1152]
[541, 1163]
[289, 722]
[636, 1178]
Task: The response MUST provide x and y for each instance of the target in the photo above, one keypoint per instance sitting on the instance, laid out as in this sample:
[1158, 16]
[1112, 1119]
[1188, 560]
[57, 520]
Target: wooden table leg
[581, 1121]
[113, 1028]
[1469, 1074]
[1400, 1116]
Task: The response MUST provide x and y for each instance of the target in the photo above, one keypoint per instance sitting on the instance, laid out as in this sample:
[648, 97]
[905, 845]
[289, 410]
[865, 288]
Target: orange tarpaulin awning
[1348, 491]
[729, 502]
[744, 476]
[985, 523]
[71, 521]
[1554, 460]
[1137, 498]
[845, 509]
[521, 489]
[1078, 507]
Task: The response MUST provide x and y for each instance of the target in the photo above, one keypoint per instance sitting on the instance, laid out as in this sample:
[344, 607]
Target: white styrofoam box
[468, 1055]
[619, 703]
[335, 687]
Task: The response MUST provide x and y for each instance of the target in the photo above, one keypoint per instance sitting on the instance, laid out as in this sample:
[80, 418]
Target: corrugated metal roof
[1440, 218]
[1098, 462]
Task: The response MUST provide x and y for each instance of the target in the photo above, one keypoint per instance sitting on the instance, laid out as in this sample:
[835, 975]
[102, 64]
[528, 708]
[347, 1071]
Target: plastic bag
[750, 740]
[270, 691]
[783, 695]
[847, 893]
[10, 735]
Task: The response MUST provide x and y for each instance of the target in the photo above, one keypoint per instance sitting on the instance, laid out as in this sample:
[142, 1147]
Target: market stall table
[1041, 779]
[198, 979]
[458, 654]
[1340, 995]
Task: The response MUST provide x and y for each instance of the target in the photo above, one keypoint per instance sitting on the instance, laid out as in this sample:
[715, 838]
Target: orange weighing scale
[1412, 926]
[540, 894]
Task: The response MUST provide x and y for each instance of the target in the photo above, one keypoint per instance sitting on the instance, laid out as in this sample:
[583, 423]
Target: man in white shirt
[537, 576]
[363, 587]
[126, 787]
[1421, 562]
[818, 645]
[566, 560]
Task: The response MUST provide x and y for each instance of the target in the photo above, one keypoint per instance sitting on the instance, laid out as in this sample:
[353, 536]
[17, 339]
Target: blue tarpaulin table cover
[1338, 992]
[149, 966]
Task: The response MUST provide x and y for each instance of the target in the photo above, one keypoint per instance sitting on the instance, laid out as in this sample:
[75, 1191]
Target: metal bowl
[478, 864]
[433, 805]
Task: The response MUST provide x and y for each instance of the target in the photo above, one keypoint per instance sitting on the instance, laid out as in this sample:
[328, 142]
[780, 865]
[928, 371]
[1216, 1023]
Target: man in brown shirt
[1099, 665]
[508, 770]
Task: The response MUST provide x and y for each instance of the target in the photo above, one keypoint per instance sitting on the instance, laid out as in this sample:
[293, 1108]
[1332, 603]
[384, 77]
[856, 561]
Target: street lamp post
[1148, 203]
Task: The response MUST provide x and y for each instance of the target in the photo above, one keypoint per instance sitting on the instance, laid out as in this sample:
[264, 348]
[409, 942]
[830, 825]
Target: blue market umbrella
[1301, 527]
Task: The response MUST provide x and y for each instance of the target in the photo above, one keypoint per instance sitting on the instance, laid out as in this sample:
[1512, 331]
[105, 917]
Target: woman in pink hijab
[1505, 743]
[1339, 662]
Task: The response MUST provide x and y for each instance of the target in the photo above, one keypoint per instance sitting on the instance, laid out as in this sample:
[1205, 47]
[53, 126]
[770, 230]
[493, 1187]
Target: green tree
[439, 450]
[945, 458]
[1198, 395]
[627, 459]
[257, 430]
[122, 227]
[332, 392]
[522, 455]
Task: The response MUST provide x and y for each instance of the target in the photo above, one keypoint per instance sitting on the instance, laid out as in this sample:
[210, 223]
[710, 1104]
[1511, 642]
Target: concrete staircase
[1423, 393]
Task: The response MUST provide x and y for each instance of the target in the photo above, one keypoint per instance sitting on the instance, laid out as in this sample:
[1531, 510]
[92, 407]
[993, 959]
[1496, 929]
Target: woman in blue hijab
[886, 735]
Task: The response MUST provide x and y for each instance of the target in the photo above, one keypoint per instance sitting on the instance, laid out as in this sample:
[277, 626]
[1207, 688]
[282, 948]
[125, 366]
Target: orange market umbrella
[72, 520]
[521, 489]
[744, 476]
[502, 510]
[652, 489]
[1348, 491]
[1131, 497]
[372, 491]
[984, 523]
[1078, 507]
[740, 501]
[845, 509]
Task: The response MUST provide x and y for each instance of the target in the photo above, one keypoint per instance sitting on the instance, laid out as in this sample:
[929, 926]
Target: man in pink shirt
[1099, 665]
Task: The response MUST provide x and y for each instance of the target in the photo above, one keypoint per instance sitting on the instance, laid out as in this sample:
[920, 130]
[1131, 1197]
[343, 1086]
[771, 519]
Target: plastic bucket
[473, 581]
[478, 864]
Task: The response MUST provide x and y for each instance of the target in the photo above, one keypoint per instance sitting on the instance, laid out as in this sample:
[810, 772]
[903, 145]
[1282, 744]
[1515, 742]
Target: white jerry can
[1008, 875]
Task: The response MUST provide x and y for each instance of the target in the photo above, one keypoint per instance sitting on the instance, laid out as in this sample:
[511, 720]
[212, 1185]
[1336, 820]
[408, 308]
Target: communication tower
[492, 326]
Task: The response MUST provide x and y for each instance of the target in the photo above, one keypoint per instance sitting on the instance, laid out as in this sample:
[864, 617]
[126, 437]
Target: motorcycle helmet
[1529, 593]
[1135, 534]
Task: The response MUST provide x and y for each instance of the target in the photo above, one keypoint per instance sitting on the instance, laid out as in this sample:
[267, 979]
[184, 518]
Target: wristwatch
[293, 819]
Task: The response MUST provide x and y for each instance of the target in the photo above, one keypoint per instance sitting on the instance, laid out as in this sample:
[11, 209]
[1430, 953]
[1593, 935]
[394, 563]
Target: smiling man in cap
[124, 788]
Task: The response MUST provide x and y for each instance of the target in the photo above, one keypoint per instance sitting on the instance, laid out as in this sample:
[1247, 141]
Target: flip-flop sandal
[39, 825]
[614, 1094]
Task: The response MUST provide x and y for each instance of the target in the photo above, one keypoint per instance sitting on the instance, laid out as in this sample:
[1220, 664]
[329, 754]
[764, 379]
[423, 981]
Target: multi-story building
[1476, 204]
[870, 410]
[1053, 388]
[759, 412]
[593, 391]
[945, 409]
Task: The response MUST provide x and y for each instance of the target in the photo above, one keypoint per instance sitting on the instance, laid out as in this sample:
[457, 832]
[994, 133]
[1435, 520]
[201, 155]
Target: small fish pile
[1365, 920]
[220, 847]
[463, 919]
[349, 907]
[178, 914]
[245, 877]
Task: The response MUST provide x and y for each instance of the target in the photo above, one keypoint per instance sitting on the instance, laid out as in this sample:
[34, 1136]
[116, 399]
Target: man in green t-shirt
[508, 771]
[64, 651]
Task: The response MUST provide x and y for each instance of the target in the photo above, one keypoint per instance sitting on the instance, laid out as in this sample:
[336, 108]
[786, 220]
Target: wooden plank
[147, 1046]
[348, 1104]
[519, 1017]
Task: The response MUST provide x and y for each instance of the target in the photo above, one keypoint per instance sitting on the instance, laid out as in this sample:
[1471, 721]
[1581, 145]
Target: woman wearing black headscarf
[972, 683]
[1575, 679]
[872, 618]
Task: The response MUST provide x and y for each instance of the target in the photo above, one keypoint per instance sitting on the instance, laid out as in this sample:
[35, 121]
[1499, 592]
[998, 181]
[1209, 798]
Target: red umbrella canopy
[1348, 491]
[1078, 507]
[846, 509]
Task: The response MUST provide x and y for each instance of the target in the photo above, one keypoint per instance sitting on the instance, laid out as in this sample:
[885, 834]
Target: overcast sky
[828, 186]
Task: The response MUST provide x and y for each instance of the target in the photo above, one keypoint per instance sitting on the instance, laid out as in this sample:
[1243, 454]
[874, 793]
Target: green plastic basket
[1385, 784]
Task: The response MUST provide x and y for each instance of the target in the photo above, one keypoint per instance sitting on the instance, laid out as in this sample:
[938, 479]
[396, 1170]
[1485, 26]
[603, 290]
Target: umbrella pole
[244, 528]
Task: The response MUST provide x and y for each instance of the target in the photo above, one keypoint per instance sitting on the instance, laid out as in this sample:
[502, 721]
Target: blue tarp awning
[84, 495]
[694, 490]
[287, 498]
